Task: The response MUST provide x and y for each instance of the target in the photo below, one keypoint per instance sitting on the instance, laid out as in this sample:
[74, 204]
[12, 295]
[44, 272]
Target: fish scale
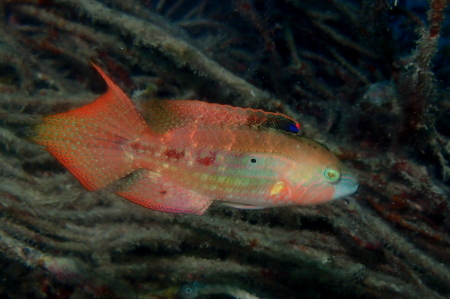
[229, 179]
[181, 155]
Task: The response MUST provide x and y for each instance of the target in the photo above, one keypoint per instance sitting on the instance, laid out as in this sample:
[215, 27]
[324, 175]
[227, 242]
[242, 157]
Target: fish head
[320, 177]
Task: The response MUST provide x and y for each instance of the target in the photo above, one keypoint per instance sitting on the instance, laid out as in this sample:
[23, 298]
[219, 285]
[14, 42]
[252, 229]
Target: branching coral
[360, 88]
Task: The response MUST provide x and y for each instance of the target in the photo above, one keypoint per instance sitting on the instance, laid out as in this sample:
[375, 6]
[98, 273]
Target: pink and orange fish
[181, 155]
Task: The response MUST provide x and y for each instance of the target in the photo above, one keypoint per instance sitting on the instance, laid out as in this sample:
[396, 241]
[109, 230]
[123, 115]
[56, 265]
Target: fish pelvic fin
[152, 190]
[90, 141]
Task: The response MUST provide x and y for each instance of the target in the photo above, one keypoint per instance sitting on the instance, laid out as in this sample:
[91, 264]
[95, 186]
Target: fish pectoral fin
[152, 190]
[242, 206]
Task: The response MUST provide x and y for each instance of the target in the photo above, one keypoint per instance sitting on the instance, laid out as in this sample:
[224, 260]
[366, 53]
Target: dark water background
[367, 78]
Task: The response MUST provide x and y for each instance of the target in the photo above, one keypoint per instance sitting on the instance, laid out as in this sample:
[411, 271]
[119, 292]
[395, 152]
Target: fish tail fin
[91, 141]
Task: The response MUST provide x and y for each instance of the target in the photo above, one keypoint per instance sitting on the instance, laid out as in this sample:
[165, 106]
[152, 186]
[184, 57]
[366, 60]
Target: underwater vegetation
[366, 78]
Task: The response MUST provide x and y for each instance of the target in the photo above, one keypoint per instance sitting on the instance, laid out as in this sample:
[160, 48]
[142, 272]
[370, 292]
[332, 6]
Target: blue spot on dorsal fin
[280, 122]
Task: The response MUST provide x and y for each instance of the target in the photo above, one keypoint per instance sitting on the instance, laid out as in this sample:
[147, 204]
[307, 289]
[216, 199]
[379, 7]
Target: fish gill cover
[366, 78]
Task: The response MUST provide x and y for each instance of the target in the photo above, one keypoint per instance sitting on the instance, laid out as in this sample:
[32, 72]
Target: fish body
[179, 156]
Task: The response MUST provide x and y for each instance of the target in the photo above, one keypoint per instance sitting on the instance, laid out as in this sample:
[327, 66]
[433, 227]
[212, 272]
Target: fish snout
[347, 185]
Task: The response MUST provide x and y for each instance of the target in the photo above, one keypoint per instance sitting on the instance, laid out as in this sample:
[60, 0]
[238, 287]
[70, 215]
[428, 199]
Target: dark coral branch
[417, 84]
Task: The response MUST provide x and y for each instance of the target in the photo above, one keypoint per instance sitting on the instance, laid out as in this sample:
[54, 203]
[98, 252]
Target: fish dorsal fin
[165, 115]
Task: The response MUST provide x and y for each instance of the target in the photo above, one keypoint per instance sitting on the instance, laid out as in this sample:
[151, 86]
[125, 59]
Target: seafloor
[367, 78]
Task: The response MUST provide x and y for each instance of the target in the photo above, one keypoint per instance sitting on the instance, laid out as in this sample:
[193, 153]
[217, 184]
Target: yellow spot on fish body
[277, 188]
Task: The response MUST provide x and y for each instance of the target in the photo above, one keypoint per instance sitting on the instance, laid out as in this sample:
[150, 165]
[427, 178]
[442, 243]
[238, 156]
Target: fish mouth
[346, 186]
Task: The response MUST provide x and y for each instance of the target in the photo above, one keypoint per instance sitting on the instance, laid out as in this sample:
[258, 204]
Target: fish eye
[332, 174]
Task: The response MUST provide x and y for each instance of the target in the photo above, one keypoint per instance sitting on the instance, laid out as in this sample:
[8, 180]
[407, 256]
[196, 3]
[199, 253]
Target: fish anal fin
[164, 116]
[151, 190]
[242, 206]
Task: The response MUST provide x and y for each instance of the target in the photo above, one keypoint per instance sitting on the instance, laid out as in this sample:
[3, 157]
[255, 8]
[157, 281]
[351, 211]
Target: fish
[179, 156]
